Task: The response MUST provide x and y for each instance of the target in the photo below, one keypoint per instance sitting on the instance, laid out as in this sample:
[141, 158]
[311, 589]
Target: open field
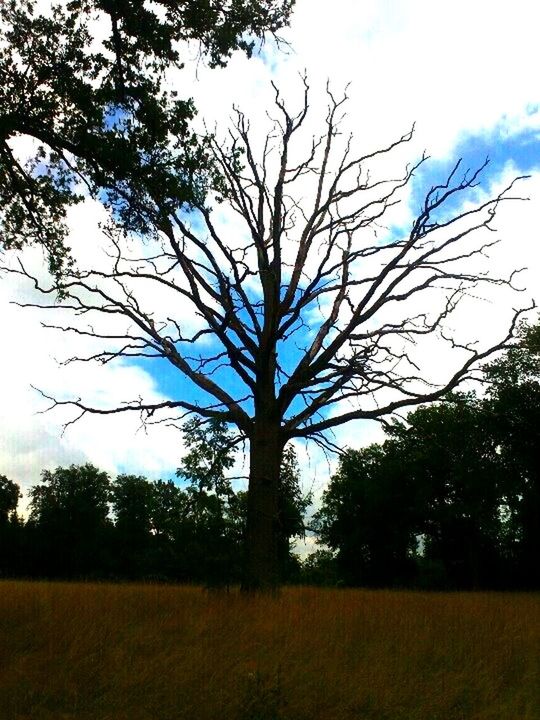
[128, 652]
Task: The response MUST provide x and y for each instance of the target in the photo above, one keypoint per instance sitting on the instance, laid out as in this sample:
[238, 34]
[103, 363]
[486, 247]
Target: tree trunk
[262, 527]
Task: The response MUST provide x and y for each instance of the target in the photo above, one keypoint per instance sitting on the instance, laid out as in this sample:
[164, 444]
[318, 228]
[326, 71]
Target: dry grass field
[134, 652]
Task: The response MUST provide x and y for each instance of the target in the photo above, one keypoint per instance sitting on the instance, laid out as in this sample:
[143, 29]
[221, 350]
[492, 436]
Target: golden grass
[133, 652]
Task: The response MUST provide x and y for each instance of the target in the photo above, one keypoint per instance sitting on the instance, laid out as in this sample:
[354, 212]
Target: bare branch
[313, 308]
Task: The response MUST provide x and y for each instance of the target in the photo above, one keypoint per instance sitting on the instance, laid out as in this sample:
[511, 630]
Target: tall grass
[128, 652]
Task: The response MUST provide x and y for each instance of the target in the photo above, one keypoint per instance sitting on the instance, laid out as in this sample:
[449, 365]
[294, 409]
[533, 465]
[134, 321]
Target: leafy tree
[513, 407]
[87, 81]
[214, 535]
[210, 455]
[168, 559]
[519, 364]
[461, 475]
[10, 494]
[292, 507]
[132, 501]
[452, 462]
[168, 508]
[369, 517]
[437, 478]
[10, 529]
[319, 568]
[68, 523]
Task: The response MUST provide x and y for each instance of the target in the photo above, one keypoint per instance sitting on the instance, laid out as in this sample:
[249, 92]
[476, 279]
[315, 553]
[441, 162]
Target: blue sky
[521, 150]
[499, 147]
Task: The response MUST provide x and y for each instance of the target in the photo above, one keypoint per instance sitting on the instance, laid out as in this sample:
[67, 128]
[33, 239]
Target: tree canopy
[84, 524]
[87, 82]
[451, 498]
[9, 498]
[68, 522]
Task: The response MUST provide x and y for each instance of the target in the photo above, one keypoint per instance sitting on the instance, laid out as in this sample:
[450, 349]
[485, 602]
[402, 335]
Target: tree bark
[262, 528]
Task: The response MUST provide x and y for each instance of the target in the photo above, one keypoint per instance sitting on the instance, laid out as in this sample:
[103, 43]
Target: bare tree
[308, 317]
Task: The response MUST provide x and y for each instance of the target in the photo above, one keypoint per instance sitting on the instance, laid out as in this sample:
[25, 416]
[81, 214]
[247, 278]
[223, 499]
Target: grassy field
[128, 652]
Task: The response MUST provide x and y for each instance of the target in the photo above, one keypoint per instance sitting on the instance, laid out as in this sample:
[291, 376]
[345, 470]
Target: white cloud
[31, 441]
[454, 68]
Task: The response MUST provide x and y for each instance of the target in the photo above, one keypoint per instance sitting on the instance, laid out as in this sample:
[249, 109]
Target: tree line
[84, 525]
[450, 500]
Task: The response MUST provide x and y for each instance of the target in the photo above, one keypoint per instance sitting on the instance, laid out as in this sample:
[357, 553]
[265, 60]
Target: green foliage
[461, 476]
[292, 506]
[519, 364]
[368, 518]
[513, 405]
[10, 527]
[100, 113]
[210, 444]
[169, 557]
[455, 469]
[212, 529]
[69, 521]
[9, 498]
[79, 492]
[320, 568]
[293, 503]
[131, 497]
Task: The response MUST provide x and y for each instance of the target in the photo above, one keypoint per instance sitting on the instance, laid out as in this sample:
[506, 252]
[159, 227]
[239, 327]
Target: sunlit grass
[108, 652]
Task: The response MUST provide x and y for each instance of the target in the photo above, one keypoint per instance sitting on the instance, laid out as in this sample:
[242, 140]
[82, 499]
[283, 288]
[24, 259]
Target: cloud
[31, 441]
[451, 68]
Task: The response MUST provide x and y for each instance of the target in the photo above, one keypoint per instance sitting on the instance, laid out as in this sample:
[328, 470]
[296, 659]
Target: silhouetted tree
[437, 480]
[452, 463]
[320, 568]
[68, 526]
[513, 407]
[132, 502]
[293, 504]
[213, 540]
[461, 476]
[168, 554]
[10, 527]
[10, 494]
[369, 517]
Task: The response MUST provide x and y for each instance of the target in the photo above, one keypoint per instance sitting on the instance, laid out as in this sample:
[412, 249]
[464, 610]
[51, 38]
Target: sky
[465, 73]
